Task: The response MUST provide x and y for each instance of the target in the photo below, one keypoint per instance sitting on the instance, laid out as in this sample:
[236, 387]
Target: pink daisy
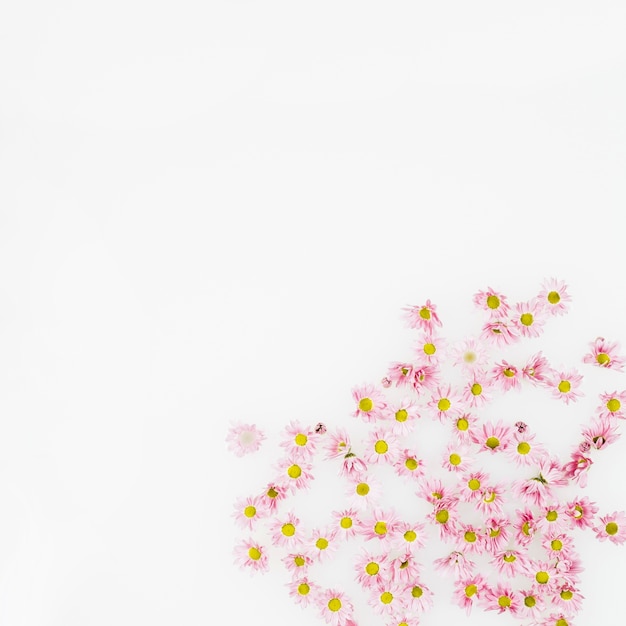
[371, 570]
[538, 489]
[537, 369]
[370, 402]
[455, 563]
[322, 543]
[577, 468]
[457, 459]
[605, 354]
[613, 405]
[434, 491]
[510, 563]
[472, 485]
[297, 563]
[352, 466]
[299, 441]
[424, 317]
[529, 318]
[381, 447]
[248, 511]
[568, 598]
[464, 427]
[409, 465]
[401, 374]
[532, 603]
[425, 378]
[494, 302]
[244, 439]
[286, 531]
[544, 574]
[409, 537]
[346, 522]
[552, 518]
[404, 415]
[274, 493]
[524, 451]
[491, 499]
[469, 355]
[581, 512]
[476, 390]
[469, 589]
[612, 527]
[302, 590]
[364, 492]
[430, 347]
[444, 404]
[378, 525]
[335, 607]
[554, 296]
[337, 444]
[418, 598]
[496, 534]
[601, 433]
[493, 437]
[404, 568]
[525, 527]
[470, 539]
[446, 518]
[402, 619]
[387, 598]
[570, 568]
[557, 619]
[499, 332]
[506, 376]
[566, 385]
[501, 598]
[251, 555]
[296, 473]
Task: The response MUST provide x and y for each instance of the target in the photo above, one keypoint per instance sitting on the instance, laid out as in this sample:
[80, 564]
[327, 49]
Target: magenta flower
[605, 354]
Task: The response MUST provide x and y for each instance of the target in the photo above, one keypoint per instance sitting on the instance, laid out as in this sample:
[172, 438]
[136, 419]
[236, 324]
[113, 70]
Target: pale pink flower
[494, 302]
[401, 374]
[532, 603]
[404, 568]
[303, 590]
[251, 555]
[605, 354]
[378, 525]
[371, 570]
[554, 296]
[297, 563]
[476, 390]
[501, 598]
[244, 439]
[381, 447]
[552, 518]
[418, 598]
[493, 437]
[322, 543]
[577, 468]
[286, 531]
[296, 473]
[409, 537]
[444, 404]
[346, 522]
[409, 465]
[557, 619]
[469, 355]
[274, 493]
[430, 347]
[248, 511]
[455, 563]
[566, 385]
[402, 619]
[425, 378]
[352, 466]
[335, 607]
[472, 485]
[337, 444]
[538, 489]
[491, 499]
[612, 527]
[558, 545]
[299, 441]
[570, 568]
[434, 491]
[464, 427]
[499, 332]
[496, 534]
[524, 451]
[424, 317]
[544, 573]
[404, 415]
[510, 563]
[537, 369]
[529, 318]
[581, 512]
[446, 518]
[457, 458]
[370, 403]
[469, 589]
[613, 405]
[506, 376]
[364, 492]
[601, 433]
[387, 598]
[470, 539]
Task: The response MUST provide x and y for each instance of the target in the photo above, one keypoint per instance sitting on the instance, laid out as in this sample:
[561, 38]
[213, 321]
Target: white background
[216, 210]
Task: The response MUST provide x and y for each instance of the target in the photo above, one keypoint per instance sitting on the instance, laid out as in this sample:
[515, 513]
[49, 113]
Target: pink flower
[469, 589]
[566, 385]
[381, 447]
[554, 296]
[248, 511]
[506, 376]
[338, 444]
[532, 603]
[364, 491]
[371, 570]
[302, 590]
[605, 354]
[472, 486]
[371, 403]
[244, 439]
[501, 598]
[455, 563]
[286, 530]
[404, 415]
[401, 374]
[379, 525]
[600, 434]
[524, 451]
[525, 527]
[387, 599]
[475, 391]
[274, 493]
[347, 522]
[418, 598]
[529, 318]
[578, 467]
[409, 465]
[434, 491]
[469, 538]
[552, 518]
[537, 369]
[568, 598]
[496, 533]
[335, 607]
[581, 512]
[544, 573]
[425, 378]
[612, 527]
[431, 348]
[612, 405]
[494, 302]
[352, 466]
[251, 555]
[557, 619]
[457, 458]
[296, 473]
[470, 355]
[404, 568]
[464, 427]
[297, 563]
[499, 332]
[444, 404]
[424, 316]
[299, 441]
[322, 543]
[510, 563]
[445, 516]
[493, 437]
[409, 537]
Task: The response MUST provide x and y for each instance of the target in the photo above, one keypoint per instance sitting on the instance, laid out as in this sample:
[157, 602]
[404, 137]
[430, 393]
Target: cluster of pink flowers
[521, 534]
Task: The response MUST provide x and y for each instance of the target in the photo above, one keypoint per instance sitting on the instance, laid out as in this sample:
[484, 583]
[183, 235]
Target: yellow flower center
[417, 592]
[565, 386]
[299, 561]
[346, 522]
[554, 297]
[566, 594]
[552, 516]
[523, 447]
[411, 464]
[425, 313]
[272, 493]
[542, 577]
[321, 543]
[254, 554]
[303, 589]
[443, 404]
[462, 424]
[402, 415]
[510, 558]
[508, 372]
[470, 536]
[611, 528]
[492, 442]
[494, 532]
[613, 405]
[301, 439]
[380, 528]
[530, 601]
[294, 471]
[493, 302]
[249, 511]
[362, 489]
[372, 568]
[289, 530]
[603, 358]
[526, 528]
[476, 389]
[504, 601]
[455, 459]
[381, 446]
[410, 535]
[386, 597]
[526, 319]
[470, 590]
[442, 516]
[430, 349]
[556, 544]
[561, 622]
[470, 356]
[334, 604]
[473, 484]
[366, 404]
